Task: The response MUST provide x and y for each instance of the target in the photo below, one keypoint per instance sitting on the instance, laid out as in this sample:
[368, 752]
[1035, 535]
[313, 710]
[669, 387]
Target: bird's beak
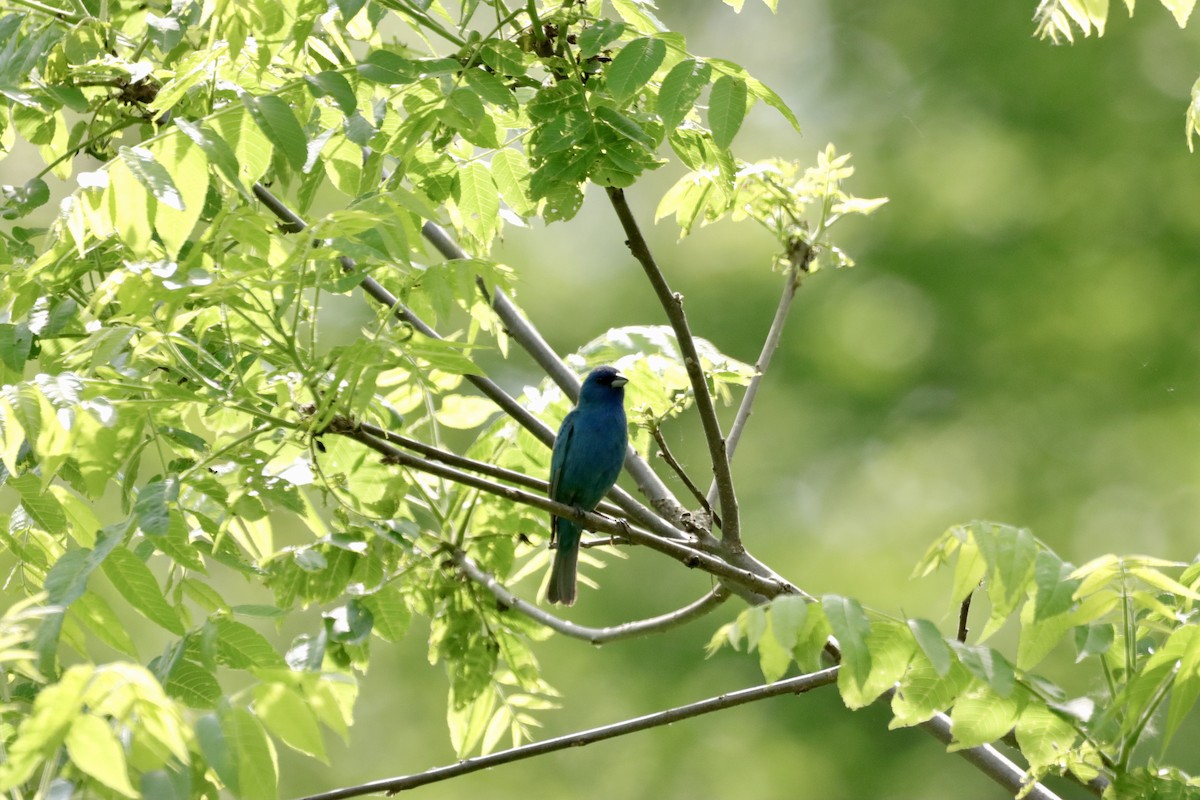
[620, 380]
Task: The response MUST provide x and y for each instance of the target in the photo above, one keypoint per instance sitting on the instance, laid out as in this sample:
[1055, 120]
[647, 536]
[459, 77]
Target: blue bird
[586, 461]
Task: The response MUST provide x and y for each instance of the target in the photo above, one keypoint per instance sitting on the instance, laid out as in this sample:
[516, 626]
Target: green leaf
[43, 507]
[634, 66]
[97, 615]
[923, 693]
[94, 748]
[152, 175]
[505, 57]
[274, 118]
[1044, 737]
[638, 14]
[981, 716]
[334, 86]
[16, 342]
[851, 628]
[597, 36]
[67, 579]
[490, 88]
[392, 615]
[153, 506]
[726, 109]
[41, 732]
[932, 644]
[891, 647]
[1010, 554]
[218, 151]
[250, 145]
[137, 584]
[216, 747]
[477, 201]
[510, 173]
[241, 647]
[287, 715]
[1186, 688]
[1095, 639]
[1055, 587]
[680, 90]
[757, 89]
[256, 768]
[625, 127]
[988, 665]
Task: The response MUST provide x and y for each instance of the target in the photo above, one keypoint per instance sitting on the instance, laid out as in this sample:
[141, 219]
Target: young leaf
[94, 748]
[334, 86]
[932, 644]
[680, 90]
[851, 627]
[726, 109]
[256, 767]
[634, 66]
[274, 118]
[153, 506]
[981, 715]
[137, 584]
[150, 174]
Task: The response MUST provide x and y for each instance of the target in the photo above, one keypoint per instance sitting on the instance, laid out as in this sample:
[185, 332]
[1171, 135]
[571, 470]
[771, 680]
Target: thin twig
[800, 257]
[673, 463]
[797, 685]
[964, 611]
[507, 403]
[672, 303]
[530, 339]
[629, 630]
[746, 579]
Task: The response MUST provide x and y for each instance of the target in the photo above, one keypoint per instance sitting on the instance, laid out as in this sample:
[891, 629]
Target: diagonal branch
[629, 630]
[530, 339]
[800, 256]
[672, 303]
[988, 760]
[744, 579]
[796, 685]
[462, 462]
[293, 223]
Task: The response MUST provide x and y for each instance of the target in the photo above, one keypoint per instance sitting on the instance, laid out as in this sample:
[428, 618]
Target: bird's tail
[566, 560]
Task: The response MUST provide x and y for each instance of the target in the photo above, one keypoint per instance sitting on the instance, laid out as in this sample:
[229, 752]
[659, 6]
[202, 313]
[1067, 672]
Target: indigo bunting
[585, 463]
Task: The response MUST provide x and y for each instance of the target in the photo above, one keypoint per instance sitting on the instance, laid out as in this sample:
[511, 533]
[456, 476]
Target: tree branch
[801, 256]
[628, 630]
[672, 303]
[796, 685]
[988, 760]
[462, 462]
[530, 339]
[505, 401]
[643, 515]
[757, 584]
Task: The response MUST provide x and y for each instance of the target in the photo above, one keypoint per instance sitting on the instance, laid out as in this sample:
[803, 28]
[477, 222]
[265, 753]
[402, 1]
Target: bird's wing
[558, 457]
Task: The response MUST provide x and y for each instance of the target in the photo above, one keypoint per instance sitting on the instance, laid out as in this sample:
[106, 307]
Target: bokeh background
[1018, 342]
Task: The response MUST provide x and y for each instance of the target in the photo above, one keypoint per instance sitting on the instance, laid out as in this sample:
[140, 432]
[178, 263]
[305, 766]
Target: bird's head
[603, 384]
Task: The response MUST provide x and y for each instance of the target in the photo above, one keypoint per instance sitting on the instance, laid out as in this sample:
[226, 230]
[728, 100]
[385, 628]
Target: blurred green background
[1018, 342]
